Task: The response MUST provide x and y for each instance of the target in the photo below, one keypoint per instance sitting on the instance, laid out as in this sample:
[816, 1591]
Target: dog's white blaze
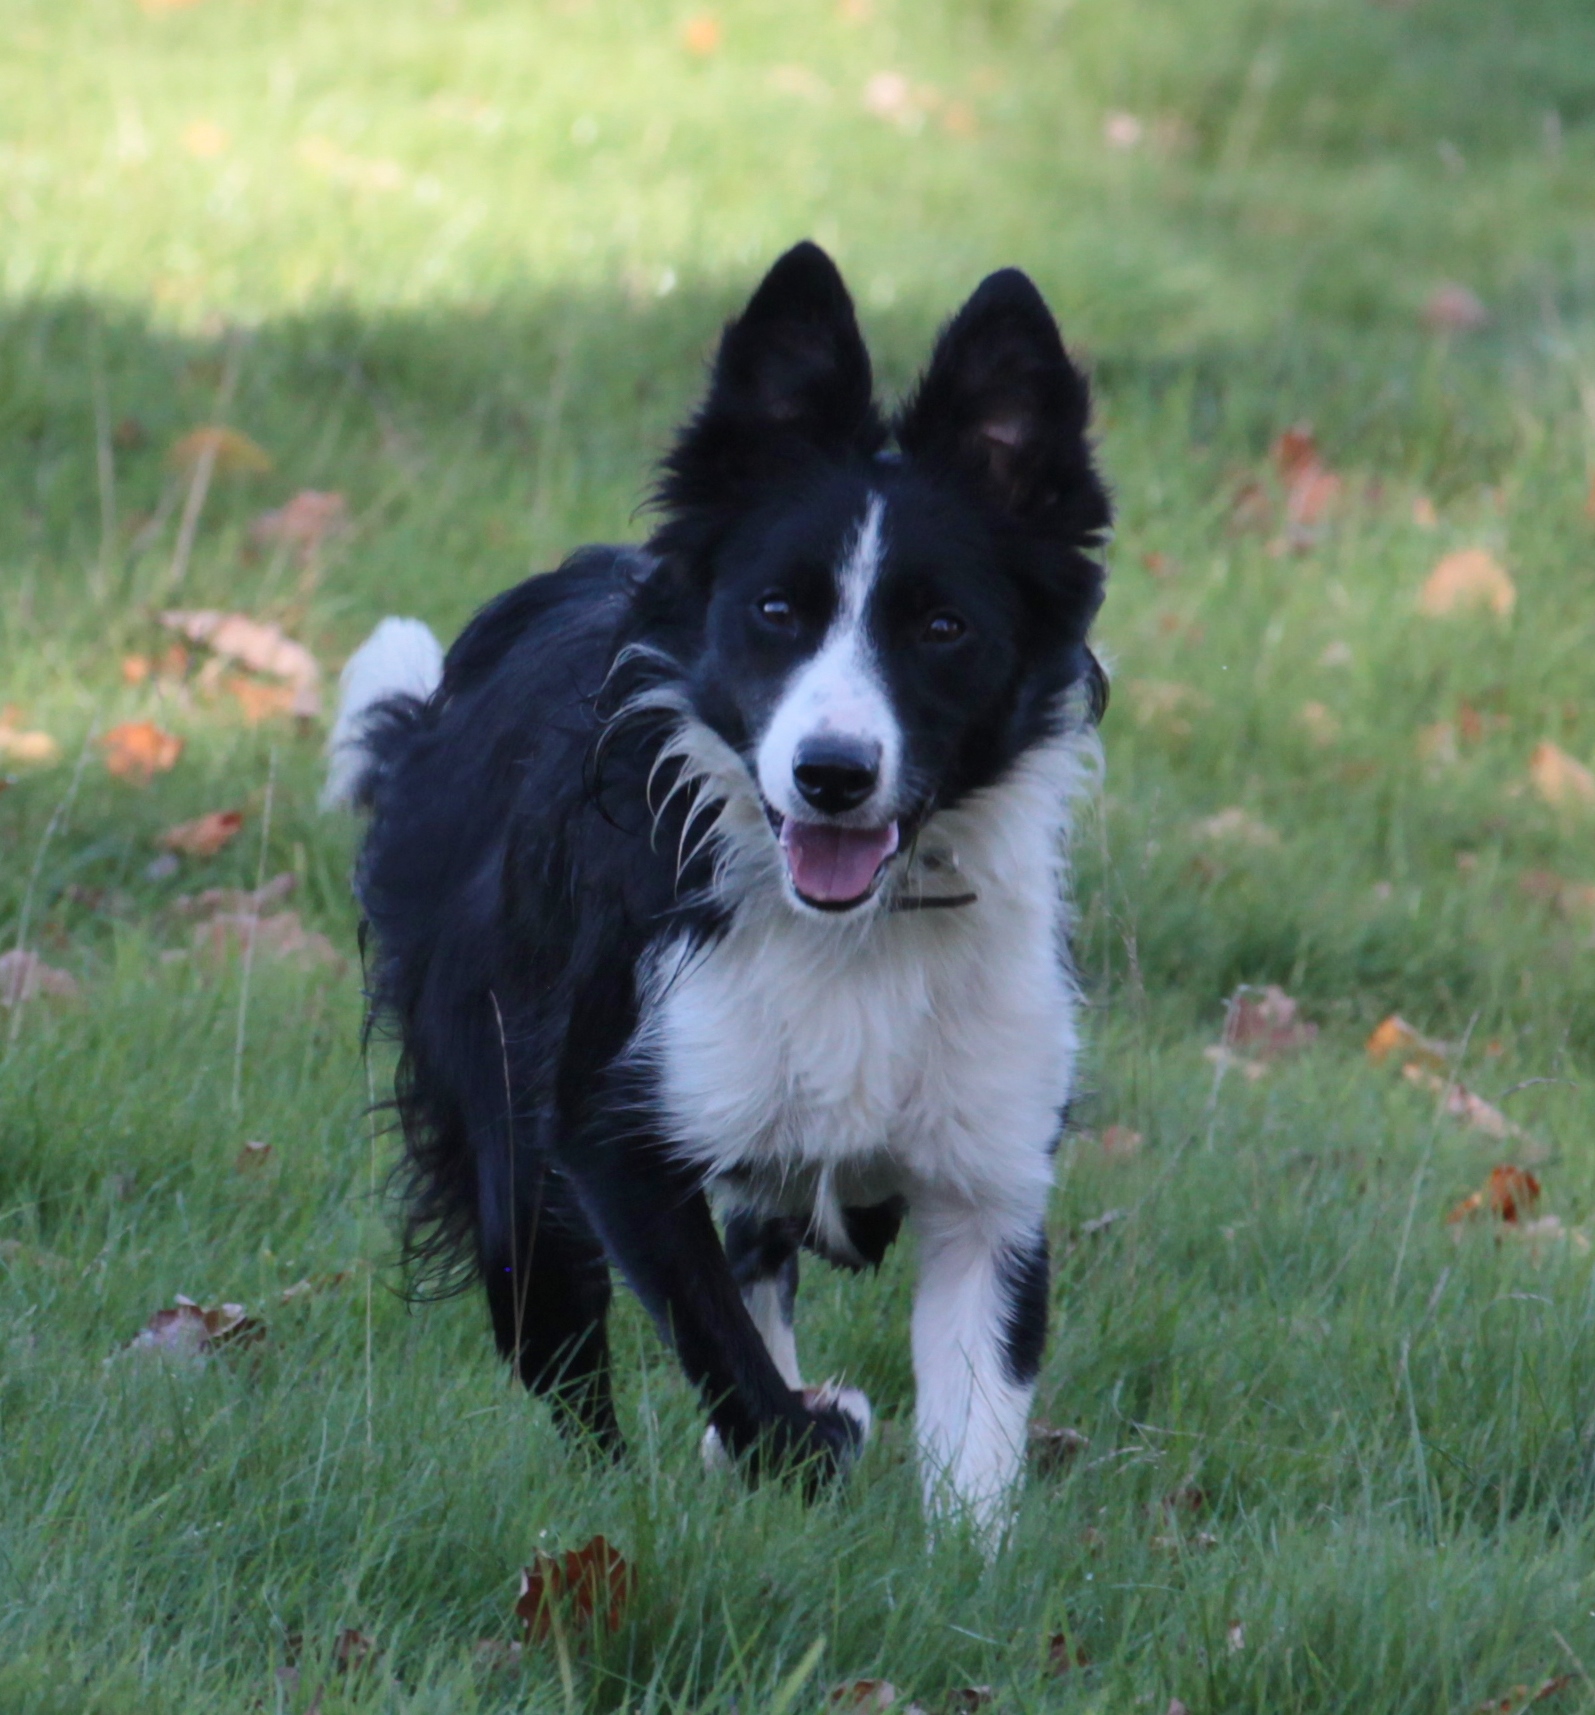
[839, 689]
[828, 1063]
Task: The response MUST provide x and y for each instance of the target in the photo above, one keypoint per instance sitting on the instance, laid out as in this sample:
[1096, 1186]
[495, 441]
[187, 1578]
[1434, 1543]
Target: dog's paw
[831, 1399]
[840, 1420]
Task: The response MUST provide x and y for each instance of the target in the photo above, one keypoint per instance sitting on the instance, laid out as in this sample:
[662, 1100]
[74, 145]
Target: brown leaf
[1226, 1060]
[862, 1696]
[24, 976]
[303, 522]
[1312, 489]
[235, 901]
[1064, 1657]
[1454, 309]
[1559, 778]
[1055, 1446]
[190, 1331]
[1266, 1023]
[968, 1698]
[205, 835]
[594, 1582]
[354, 1652]
[1119, 1142]
[257, 645]
[1461, 1103]
[231, 452]
[701, 35]
[1469, 578]
[37, 748]
[1394, 1035]
[138, 750]
[260, 702]
[252, 1157]
[1520, 1696]
[280, 937]
[1569, 898]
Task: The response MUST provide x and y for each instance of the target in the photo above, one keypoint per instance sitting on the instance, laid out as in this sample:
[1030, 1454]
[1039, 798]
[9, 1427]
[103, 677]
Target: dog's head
[879, 618]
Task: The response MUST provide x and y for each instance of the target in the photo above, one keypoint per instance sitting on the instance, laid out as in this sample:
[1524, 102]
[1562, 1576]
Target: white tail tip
[401, 658]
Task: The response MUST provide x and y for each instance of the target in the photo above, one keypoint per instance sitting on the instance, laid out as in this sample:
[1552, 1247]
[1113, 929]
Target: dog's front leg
[980, 1318]
[656, 1226]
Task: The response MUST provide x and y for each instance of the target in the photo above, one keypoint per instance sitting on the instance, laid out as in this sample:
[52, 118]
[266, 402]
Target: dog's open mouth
[832, 867]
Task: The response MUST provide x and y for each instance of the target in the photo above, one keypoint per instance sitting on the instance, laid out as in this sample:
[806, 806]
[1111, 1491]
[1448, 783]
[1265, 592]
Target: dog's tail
[400, 659]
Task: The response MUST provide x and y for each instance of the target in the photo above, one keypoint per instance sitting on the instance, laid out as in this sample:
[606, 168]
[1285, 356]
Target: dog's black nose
[836, 774]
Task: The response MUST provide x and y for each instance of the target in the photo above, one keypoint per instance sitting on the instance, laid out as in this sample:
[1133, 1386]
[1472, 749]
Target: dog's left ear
[1002, 407]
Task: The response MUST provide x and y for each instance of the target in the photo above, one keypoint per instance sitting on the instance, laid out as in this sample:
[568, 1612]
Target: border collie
[728, 875]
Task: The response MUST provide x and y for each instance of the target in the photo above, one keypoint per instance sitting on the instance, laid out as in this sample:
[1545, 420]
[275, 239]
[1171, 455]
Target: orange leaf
[205, 835]
[255, 644]
[34, 747]
[701, 35]
[230, 452]
[594, 1581]
[1454, 309]
[139, 750]
[260, 702]
[1469, 578]
[1461, 1103]
[1395, 1036]
[1559, 778]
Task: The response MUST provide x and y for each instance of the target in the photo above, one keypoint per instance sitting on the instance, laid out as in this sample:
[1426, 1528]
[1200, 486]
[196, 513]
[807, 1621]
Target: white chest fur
[926, 1052]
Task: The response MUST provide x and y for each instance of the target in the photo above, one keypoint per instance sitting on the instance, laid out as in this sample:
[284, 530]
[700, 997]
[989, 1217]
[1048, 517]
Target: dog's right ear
[791, 379]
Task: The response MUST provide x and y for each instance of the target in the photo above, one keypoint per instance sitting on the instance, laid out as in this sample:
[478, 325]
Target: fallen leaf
[252, 1157]
[1235, 825]
[863, 1695]
[235, 901]
[701, 35]
[139, 750]
[1394, 1036]
[205, 836]
[1226, 1060]
[136, 669]
[279, 936]
[1235, 1637]
[1520, 1696]
[302, 523]
[1437, 744]
[259, 702]
[24, 976]
[37, 748]
[1461, 1103]
[1559, 778]
[1469, 578]
[1267, 1022]
[190, 1331]
[593, 1581]
[1119, 1142]
[257, 645]
[968, 1698]
[354, 1652]
[1053, 1446]
[1454, 309]
[1064, 1657]
[1188, 1498]
[1159, 564]
[1569, 898]
[1165, 703]
[230, 451]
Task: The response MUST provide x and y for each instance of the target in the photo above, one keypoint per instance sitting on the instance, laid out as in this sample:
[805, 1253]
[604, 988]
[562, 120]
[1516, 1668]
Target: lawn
[459, 263]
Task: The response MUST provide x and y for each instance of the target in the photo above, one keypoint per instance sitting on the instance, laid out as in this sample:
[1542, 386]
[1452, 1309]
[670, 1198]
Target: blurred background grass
[462, 264]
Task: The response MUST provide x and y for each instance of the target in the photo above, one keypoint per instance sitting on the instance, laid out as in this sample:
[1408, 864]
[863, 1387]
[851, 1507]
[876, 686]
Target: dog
[727, 875]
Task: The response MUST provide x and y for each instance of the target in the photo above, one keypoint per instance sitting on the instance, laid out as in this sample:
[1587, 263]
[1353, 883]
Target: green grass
[467, 259]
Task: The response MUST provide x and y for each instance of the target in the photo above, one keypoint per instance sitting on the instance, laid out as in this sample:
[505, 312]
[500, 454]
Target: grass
[464, 261]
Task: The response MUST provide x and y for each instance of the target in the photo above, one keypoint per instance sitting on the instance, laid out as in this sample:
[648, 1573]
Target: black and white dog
[730, 871]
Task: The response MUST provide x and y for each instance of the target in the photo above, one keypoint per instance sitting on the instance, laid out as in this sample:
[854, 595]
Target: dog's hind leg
[763, 1254]
[548, 1293]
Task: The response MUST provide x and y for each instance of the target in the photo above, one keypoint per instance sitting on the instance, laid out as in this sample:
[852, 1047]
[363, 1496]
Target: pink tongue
[835, 865]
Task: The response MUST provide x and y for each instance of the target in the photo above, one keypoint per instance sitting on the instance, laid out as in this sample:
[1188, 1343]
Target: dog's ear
[1002, 407]
[791, 378]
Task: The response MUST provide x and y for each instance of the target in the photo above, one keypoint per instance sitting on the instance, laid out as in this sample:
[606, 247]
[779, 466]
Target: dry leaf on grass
[1568, 898]
[230, 451]
[1266, 1023]
[302, 523]
[1394, 1036]
[591, 1585]
[1509, 1194]
[862, 1696]
[252, 1157]
[257, 645]
[1470, 578]
[1461, 1103]
[279, 936]
[24, 976]
[1054, 1446]
[1063, 1656]
[1454, 309]
[17, 745]
[1559, 778]
[259, 702]
[1120, 1142]
[1520, 1696]
[235, 901]
[139, 750]
[1312, 489]
[190, 1331]
[1227, 1060]
[205, 835]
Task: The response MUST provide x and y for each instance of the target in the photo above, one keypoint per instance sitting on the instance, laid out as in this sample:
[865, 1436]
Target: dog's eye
[776, 609]
[943, 627]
